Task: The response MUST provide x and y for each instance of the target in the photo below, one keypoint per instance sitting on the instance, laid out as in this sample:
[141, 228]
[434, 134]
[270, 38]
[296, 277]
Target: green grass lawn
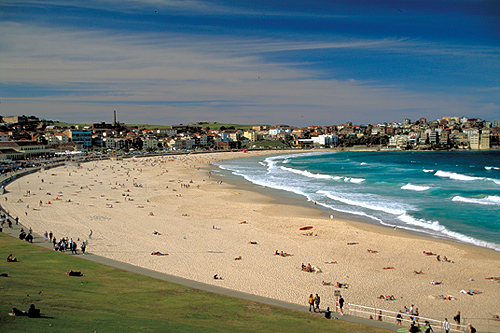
[107, 299]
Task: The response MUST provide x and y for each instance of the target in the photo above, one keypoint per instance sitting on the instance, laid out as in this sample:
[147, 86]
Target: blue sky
[273, 62]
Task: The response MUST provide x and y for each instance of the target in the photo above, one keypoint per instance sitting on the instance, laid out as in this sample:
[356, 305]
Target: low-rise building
[325, 139]
[83, 137]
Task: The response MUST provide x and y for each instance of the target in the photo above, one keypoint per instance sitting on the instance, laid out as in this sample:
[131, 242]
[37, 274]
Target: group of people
[438, 257]
[32, 312]
[26, 236]
[6, 219]
[308, 268]
[314, 302]
[413, 316]
[66, 243]
[387, 297]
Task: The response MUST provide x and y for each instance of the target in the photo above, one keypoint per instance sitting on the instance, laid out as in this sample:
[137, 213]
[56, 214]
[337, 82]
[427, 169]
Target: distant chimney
[114, 118]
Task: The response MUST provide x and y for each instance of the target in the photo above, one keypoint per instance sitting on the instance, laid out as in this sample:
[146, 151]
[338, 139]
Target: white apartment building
[325, 139]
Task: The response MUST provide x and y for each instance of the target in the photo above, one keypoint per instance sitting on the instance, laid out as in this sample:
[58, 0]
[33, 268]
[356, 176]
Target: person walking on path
[317, 299]
[446, 325]
[428, 327]
[457, 319]
[83, 247]
[399, 316]
[341, 305]
[311, 303]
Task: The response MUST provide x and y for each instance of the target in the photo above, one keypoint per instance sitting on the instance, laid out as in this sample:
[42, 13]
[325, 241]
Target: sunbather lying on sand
[447, 298]
[388, 267]
[158, 253]
[436, 283]
[323, 283]
[237, 258]
[352, 243]
[387, 297]
[331, 262]
[282, 254]
[493, 278]
[307, 268]
[470, 292]
[341, 285]
[252, 242]
[428, 253]
[418, 272]
[371, 251]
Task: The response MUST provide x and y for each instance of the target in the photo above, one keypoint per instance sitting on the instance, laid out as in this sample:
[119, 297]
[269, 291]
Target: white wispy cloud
[97, 67]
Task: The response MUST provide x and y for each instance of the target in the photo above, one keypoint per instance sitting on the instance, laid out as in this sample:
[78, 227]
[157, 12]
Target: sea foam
[307, 173]
[365, 202]
[489, 200]
[456, 176]
[417, 188]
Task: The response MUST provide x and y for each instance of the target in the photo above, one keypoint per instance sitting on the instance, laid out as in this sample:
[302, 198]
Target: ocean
[452, 195]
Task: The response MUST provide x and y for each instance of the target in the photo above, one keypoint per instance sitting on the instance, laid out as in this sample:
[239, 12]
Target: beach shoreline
[201, 230]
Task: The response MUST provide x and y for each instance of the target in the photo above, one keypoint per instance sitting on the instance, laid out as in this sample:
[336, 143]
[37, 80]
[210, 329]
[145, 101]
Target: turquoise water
[453, 195]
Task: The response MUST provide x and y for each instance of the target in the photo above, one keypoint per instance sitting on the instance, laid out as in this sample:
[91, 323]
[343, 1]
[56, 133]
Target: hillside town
[28, 137]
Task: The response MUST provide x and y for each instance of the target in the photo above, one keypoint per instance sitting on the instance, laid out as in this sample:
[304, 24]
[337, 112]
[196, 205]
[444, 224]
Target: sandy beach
[204, 223]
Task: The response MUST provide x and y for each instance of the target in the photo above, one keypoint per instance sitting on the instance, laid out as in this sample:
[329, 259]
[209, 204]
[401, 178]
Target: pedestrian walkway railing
[406, 320]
